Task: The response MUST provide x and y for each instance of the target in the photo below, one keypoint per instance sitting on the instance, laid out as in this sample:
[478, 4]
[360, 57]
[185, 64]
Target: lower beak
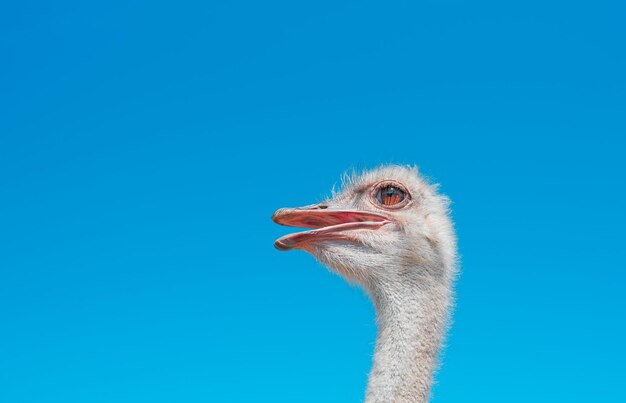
[327, 223]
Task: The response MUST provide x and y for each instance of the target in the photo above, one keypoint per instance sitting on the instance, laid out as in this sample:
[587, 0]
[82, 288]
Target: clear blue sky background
[145, 145]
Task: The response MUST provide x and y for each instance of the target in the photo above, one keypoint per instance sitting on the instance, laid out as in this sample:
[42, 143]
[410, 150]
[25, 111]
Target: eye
[390, 195]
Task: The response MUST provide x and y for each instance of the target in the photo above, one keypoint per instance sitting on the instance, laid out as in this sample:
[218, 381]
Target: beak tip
[282, 245]
[276, 215]
[279, 215]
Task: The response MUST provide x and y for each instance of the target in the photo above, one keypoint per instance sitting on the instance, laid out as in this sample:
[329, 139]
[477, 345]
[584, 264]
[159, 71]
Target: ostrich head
[377, 230]
[388, 230]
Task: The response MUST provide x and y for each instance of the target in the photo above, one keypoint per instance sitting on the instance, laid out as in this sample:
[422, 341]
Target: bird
[388, 230]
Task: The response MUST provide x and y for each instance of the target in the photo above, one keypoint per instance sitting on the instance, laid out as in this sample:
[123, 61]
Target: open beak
[328, 224]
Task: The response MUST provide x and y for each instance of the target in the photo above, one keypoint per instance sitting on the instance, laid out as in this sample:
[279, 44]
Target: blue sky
[145, 145]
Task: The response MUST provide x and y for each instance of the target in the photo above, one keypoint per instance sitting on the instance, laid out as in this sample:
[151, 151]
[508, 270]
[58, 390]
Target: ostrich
[389, 231]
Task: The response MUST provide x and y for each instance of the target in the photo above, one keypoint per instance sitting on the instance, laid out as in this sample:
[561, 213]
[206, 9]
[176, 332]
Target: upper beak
[329, 224]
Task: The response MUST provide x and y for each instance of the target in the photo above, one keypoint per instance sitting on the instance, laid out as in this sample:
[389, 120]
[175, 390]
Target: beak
[327, 224]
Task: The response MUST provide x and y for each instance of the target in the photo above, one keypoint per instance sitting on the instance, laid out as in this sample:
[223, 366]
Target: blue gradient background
[145, 145]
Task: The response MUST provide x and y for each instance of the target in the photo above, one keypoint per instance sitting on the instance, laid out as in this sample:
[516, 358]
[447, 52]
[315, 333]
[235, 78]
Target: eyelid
[390, 183]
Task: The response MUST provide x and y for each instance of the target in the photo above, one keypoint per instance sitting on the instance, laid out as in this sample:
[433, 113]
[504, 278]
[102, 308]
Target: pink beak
[328, 224]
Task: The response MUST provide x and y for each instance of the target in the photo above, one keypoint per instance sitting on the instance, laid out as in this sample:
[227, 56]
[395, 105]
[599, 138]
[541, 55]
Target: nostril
[322, 206]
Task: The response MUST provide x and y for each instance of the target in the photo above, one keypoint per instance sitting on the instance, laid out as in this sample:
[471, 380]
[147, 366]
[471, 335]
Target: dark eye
[390, 195]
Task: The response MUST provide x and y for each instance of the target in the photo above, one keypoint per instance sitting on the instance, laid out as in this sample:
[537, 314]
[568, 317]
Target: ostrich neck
[411, 316]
